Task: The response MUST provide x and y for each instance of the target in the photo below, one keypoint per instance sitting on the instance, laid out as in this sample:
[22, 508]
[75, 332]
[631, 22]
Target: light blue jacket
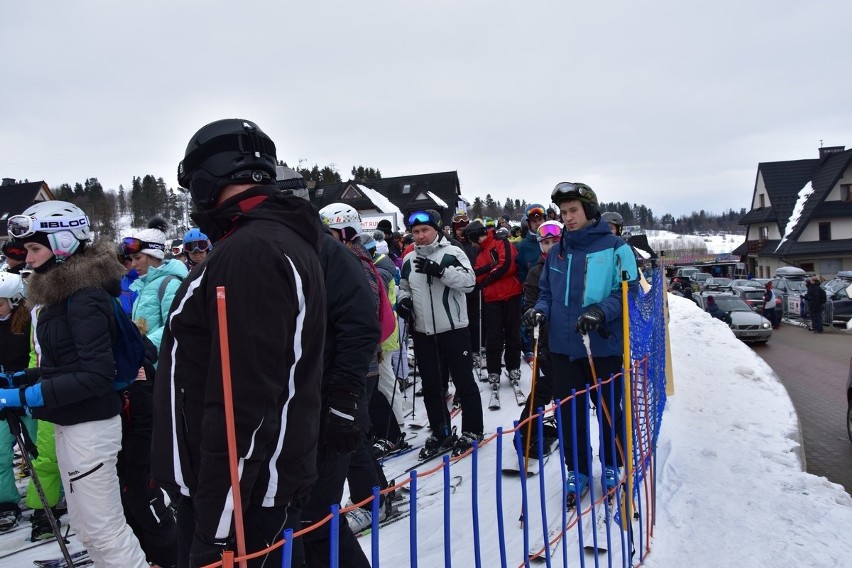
[583, 270]
[148, 306]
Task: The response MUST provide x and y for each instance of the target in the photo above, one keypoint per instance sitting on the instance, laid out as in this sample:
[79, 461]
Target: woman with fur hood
[75, 285]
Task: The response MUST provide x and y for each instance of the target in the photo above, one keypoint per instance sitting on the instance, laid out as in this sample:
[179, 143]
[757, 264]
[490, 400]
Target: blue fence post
[563, 473]
[413, 525]
[374, 531]
[474, 504]
[519, 450]
[541, 486]
[287, 549]
[448, 557]
[501, 535]
[334, 531]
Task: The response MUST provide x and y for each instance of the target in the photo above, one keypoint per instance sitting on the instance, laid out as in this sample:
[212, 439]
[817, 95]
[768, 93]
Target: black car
[849, 402]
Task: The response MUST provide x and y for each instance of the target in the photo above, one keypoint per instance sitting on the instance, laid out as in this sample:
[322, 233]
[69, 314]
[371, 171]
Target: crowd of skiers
[319, 314]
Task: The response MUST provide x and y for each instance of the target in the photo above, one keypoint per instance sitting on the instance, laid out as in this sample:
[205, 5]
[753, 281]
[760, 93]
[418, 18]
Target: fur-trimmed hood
[97, 267]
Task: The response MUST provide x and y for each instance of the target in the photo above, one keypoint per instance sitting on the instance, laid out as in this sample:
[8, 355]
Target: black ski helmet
[615, 219]
[222, 153]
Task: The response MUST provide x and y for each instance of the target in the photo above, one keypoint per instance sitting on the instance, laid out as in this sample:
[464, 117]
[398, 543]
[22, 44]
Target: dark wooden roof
[783, 181]
[826, 176]
[444, 185]
[16, 197]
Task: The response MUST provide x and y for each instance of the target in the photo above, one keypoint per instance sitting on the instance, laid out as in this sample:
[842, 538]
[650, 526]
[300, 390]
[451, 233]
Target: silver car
[748, 326]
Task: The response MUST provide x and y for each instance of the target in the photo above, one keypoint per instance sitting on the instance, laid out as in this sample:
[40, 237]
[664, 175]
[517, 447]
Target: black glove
[428, 266]
[590, 320]
[405, 309]
[203, 553]
[501, 234]
[532, 318]
[342, 433]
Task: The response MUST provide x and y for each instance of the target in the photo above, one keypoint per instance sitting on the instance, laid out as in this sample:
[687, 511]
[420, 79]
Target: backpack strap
[161, 291]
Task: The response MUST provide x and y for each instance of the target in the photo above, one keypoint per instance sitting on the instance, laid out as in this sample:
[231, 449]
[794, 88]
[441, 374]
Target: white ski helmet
[12, 288]
[342, 217]
[64, 224]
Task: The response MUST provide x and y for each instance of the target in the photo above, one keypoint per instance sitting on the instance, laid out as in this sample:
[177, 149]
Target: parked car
[748, 326]
[752, 296]
[717, 283]
[837, 294]
[700, 279]
[789, 285]
[686, 272]
[849, 402]
[748, 283]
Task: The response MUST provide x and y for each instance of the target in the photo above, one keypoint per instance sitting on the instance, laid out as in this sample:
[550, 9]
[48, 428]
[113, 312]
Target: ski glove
[532, 318]
[23, 378]
[342, 433]
[590, 320]
[405, 309]
[428, 266]
[30, 397]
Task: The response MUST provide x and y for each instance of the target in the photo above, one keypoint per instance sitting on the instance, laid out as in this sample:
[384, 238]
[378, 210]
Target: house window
[319, 192]
[825, 231]
[406, 188]
[764, 233]
[762, 200]
[846, 192]
[351, 193]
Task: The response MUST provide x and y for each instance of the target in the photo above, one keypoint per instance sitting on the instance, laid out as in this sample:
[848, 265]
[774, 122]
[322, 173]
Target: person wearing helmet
[267, 261]
[435, 278]
[474, 298]
[196, 246]
[158, 279]
[581, 295]
[16, 255]
[547, 234]
[14, 354]
[76, 284]
[528, 255]
[615, 221]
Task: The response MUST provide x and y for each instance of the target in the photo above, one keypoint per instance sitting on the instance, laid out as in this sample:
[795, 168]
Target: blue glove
[20, 378]
[12, 398]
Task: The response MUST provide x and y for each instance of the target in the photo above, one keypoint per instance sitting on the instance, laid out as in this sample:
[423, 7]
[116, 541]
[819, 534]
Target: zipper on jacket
[71, 480]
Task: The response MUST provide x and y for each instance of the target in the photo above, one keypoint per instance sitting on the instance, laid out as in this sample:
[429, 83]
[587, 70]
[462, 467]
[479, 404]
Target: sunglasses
[22, 226]
[548, 231]
[132, 245]
[422, 217]
[196, 246]
[568, 190]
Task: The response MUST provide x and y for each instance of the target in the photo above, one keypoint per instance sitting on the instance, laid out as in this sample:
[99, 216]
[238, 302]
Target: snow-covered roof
[804, 193]
[381, 202]
[438, 201]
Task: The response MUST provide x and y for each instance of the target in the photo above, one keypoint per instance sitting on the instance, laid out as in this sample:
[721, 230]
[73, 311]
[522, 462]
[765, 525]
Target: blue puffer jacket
[529, 251]
[148, 306]
[583, 270]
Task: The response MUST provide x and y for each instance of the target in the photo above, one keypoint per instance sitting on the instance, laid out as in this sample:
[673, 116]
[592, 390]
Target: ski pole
[228, 401]
[531, 398]
[27, 446]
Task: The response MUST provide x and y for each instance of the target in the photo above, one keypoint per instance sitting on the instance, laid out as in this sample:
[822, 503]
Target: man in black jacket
[266, 259]
[816, 299]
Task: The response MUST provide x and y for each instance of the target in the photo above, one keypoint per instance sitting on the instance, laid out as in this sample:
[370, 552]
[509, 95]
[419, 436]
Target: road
[814, 368]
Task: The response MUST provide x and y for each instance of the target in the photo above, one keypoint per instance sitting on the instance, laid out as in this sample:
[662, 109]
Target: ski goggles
[196, 246]
[548, 232]
[568, 190]
[535, 212]
[422, 218]
[132, 245]
[176, 250]
[460, 218]
[22, 226]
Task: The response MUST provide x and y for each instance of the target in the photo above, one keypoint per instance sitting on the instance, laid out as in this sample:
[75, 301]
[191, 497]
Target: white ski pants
[387, 386]
[87, 455]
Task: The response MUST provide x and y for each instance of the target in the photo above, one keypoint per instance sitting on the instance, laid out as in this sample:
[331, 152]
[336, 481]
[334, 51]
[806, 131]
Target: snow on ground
[730, 491]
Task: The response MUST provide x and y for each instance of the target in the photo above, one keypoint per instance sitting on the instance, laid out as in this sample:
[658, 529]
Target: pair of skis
[520, 397]
[79, 558]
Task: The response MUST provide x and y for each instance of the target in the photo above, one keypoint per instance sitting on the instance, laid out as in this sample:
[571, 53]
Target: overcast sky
[670, 104]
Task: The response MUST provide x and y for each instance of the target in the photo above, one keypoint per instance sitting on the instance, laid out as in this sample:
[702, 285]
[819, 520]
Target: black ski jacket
[266, 260]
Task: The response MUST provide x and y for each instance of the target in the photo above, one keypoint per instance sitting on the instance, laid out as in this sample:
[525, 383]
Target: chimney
[826, 151]
[8, 181]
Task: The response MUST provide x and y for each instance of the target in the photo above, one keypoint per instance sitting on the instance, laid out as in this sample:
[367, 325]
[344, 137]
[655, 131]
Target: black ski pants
[263, 526]
[474, 322]
[502, 325]
[567, 375]
[327, 491]
[454, 348]
[148, 516]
